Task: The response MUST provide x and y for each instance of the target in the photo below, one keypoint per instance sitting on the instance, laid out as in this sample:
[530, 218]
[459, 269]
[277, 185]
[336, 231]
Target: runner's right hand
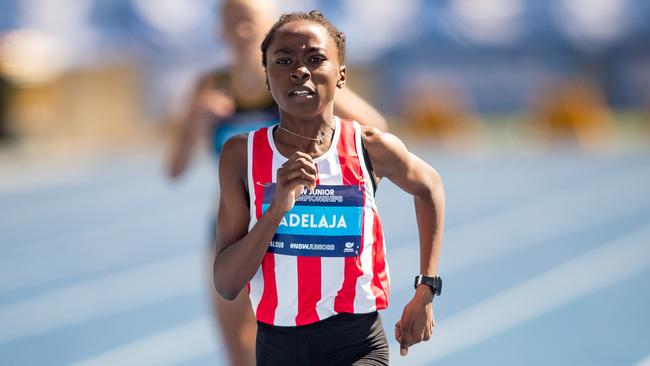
[215, 103]
[295, 174]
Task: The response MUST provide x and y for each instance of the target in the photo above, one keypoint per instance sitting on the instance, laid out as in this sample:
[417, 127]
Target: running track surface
[546, 260]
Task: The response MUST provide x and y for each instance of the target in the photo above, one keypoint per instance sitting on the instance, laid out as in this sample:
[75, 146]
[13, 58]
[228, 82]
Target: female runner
[298, 225]
[234, 100]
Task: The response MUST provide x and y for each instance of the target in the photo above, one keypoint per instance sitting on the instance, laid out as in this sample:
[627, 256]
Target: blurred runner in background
[233, 100]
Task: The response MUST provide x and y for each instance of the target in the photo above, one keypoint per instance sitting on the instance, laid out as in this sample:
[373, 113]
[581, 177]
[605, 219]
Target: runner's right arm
[239, 252]
[207, 105]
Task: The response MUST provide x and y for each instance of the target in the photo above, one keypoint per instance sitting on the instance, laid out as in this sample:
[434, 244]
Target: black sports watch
[434, 282]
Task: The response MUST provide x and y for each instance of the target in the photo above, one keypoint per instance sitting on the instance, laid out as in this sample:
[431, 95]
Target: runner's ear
[342, 76]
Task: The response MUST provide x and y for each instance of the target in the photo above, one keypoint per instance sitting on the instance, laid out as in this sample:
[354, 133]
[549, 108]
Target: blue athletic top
[244, 119]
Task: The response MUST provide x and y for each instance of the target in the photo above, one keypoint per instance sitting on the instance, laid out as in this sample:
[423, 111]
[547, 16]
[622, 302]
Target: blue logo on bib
[327, 222]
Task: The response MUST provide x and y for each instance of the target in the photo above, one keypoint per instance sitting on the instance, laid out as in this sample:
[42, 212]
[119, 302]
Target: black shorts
[343, 339]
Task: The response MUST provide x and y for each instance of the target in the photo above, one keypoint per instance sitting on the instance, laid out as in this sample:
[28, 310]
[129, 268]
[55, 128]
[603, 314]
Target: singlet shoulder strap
[371, 171]
[364, 151]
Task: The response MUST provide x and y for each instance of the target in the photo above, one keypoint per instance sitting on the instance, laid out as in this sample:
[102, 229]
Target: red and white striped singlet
[290, 290]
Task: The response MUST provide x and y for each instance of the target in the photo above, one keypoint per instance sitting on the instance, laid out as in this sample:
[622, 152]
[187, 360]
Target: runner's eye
[316, 59]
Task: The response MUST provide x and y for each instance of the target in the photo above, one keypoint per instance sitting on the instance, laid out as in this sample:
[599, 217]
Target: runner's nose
[300, 73]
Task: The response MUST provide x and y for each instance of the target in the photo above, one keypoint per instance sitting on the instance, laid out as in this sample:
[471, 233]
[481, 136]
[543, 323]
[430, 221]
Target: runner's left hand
[417, 321]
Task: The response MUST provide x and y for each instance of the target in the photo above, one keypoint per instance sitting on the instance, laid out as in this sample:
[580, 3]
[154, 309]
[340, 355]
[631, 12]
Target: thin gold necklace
[319, 140]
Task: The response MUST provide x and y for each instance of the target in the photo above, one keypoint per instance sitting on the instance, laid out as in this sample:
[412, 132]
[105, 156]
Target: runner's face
[303, 69]
[243, 27]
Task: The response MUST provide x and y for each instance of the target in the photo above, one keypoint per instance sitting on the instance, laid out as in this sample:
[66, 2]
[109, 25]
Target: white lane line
[43, 304]
[570, 281]
[121, 291]
[463, 253]
[149, 185]
[24, 176]
[538, 221]
[91, 250]
[179, 344]
[644, 362]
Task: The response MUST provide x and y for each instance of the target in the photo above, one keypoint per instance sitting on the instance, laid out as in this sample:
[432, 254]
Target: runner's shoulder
[234, 150]
[384, 149]
[378, 140]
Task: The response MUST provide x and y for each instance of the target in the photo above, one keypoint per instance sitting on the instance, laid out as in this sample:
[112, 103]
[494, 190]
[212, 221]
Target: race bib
[323, 223]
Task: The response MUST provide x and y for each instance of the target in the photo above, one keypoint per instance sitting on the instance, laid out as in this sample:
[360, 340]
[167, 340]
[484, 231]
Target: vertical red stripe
[269, 301]
[309, 289]
[309, 285]
[262, 161]
[380, 284]
[352, 174]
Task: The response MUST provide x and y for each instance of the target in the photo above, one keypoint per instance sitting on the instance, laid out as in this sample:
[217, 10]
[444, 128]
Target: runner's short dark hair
[312, 16]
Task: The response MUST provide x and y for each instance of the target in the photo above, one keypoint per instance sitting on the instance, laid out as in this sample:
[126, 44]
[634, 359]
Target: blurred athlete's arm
[349, 105]
[392, 160]
[207, 106]
[239, 252]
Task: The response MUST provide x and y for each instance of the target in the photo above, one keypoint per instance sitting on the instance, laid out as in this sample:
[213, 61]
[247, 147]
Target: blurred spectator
[573, 110]
[442, 112]
[6, 90]
[646, 117]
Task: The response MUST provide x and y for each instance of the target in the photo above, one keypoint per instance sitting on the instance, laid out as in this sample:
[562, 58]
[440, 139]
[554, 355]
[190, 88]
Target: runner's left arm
[391, 159]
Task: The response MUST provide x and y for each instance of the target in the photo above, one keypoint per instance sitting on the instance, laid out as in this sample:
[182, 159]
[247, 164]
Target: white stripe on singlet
[286, 268]
[332, 269]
